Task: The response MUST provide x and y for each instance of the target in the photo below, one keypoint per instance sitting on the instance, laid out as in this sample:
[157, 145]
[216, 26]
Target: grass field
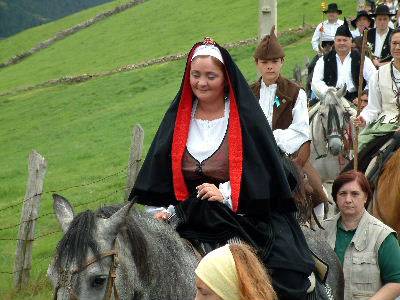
[84, 130]
[29, 38]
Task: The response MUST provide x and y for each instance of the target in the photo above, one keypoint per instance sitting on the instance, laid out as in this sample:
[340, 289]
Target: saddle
[375, 167]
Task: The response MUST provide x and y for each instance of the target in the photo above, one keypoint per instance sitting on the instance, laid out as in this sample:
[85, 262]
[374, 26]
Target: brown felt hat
[269, 47]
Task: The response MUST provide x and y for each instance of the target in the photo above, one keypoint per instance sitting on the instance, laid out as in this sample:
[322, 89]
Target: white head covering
[218, 271]
[208, 49]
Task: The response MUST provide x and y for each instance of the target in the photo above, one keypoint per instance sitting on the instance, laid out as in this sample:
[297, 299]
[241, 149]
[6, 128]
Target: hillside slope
[18, 15]
[27, 39]
[150, 30]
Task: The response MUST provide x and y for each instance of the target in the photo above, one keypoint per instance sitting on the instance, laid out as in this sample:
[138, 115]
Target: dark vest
[330, 68]
[287, 92]
[385, 54]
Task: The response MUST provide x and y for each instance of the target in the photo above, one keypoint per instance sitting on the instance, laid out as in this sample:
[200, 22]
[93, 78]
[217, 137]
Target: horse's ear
[63, 211]
[117, 219]
[342, 91]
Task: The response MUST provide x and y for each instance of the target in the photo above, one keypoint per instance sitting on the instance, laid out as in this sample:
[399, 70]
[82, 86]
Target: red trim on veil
[181, 132]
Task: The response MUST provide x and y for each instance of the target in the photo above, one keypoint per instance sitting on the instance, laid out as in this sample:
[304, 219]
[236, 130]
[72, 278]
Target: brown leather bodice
[214, 169]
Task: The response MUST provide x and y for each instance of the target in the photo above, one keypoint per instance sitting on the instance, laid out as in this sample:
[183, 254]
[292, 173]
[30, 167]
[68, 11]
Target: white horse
[329, 126]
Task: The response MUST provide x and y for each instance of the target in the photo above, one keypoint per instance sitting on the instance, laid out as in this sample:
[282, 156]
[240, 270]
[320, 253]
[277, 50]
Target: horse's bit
[110, 279]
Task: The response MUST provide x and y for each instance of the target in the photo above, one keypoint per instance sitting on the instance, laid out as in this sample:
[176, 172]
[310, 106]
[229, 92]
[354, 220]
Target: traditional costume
[284, 104]
[380, 46]
[382, 115]
[246, 156]
[325, 31]
[331, 71]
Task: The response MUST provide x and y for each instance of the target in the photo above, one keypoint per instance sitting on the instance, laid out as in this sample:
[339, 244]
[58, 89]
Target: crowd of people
[218, 167]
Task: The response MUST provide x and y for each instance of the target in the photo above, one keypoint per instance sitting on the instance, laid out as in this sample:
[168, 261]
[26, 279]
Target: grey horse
[148, 258]
[123, 250]
[329, 119]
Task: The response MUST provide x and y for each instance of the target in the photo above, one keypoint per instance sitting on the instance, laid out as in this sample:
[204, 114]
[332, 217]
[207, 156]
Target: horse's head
[333, 118]
[88, 255]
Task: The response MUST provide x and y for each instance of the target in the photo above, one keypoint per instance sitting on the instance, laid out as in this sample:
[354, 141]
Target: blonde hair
[254, 282]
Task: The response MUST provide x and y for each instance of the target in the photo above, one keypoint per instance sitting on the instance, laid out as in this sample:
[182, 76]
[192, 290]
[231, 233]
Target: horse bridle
[110, 279]
[332, 117]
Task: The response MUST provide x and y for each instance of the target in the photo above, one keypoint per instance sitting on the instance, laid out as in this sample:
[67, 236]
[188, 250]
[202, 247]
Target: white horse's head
[86, 256]
[333, 117]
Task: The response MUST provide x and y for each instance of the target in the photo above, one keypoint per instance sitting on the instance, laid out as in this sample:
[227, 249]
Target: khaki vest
[389, 107]
[360, 265]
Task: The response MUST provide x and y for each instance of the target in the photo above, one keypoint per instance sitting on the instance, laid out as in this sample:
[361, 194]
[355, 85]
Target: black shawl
[257, 174]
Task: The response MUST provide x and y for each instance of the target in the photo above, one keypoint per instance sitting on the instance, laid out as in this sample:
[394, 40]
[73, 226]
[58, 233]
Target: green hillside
[29, 38]
[18, 15]
[152, 29]
[84, 130]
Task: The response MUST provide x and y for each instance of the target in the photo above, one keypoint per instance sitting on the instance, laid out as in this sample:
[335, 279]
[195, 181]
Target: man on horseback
[340, 67]
[325, 32]
[379, 37]
[382, 112]
[284, 104]
[384, 89]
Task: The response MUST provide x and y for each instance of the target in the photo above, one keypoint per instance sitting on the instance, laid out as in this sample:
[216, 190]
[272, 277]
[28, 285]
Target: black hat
[382, 10]
[363, 13]
[344, 30]
[332, 7]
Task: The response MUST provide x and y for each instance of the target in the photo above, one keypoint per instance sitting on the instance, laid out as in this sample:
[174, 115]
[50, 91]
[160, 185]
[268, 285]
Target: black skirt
[277, 238]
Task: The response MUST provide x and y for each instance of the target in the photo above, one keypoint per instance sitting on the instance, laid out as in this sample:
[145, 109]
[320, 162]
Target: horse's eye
[98, 281]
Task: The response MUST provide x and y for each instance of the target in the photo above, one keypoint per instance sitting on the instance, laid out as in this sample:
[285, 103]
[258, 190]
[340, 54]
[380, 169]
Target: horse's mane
[299, 191]
[79, 239]
[389, 181]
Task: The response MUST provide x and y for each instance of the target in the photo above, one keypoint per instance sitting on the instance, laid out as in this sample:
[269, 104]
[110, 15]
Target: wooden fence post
[30, 212]
[135, 158]
[267, 17]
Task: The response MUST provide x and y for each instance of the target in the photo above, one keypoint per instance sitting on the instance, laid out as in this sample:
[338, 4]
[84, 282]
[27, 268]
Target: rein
[110, 279]
[333, 119]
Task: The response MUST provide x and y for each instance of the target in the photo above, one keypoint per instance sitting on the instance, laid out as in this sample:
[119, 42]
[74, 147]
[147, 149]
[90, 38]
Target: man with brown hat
[284, 104]
[378, 37]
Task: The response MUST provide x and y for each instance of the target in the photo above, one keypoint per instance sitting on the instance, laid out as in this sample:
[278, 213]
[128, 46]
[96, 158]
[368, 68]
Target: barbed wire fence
[31, 203]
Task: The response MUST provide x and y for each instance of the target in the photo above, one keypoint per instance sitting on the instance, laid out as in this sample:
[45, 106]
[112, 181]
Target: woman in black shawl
[214, 159]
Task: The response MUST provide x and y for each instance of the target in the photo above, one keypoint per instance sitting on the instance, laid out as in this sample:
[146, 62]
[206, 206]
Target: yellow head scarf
[218, 270]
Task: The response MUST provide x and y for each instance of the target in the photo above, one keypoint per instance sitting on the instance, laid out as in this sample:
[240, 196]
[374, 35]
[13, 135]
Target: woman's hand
[162, 215]
[359, 121]
[210, 192]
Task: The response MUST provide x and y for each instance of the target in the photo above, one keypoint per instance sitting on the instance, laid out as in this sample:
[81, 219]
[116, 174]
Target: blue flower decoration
[277, 102]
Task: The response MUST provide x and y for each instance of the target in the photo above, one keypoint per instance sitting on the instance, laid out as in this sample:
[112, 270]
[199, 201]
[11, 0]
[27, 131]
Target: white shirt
[374, 107]
[289, 140]
[205, 136]
[327, 34]
[204, 139]
[379, 40]
[355, 33]
[319, 87]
